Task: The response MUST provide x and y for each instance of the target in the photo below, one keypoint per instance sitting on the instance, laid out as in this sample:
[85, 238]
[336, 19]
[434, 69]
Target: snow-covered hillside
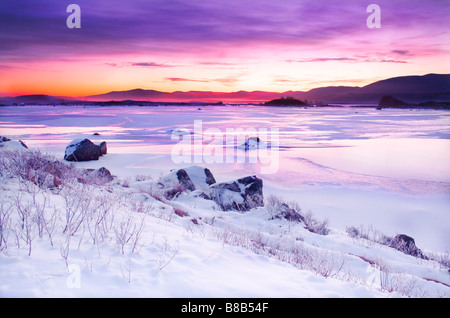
[66, 232]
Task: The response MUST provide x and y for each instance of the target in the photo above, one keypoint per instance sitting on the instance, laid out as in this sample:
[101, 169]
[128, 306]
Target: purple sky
[216, 44]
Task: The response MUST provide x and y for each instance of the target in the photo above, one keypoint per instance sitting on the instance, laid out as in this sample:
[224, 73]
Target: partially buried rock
[239, 195]
[187, 179]
[290, 214]
[407, 245]
[251, 143]
[96, 176]
[11, 144]
[84, 150]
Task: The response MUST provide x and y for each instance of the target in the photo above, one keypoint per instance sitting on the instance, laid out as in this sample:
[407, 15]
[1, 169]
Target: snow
[198, 177]
[12, 145]
[354, 169]
[72, 146]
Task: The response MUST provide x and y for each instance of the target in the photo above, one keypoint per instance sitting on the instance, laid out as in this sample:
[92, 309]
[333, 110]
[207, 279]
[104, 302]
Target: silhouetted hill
[427, 84]
[410, 89]
[32, 99]
[134, 94]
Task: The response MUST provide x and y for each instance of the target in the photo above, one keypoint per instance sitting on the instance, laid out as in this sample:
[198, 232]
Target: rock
[180, 131]
[251, 143]
[175, 183]
[407, 245]
[201, 177]
[104, 174]
[12, 144]
[84, 150]
[290, 214]
[240, 195]
[96, 176]
[188, 179]
[103, 148]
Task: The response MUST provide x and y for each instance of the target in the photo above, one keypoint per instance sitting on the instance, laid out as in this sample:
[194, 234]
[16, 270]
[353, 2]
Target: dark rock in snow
[96, 176]
[201, 177]
[184, 180]
[104, 174]
[188, 179]
[103, 148]
[251, 143]
[289, 214]
[240, 195]
[407, 245]
[84, 150]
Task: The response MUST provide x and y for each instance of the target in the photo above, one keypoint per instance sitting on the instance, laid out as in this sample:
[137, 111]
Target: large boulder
[239, 195]
[187, 179]
[201, 177]
[407, 245]
[84, 150]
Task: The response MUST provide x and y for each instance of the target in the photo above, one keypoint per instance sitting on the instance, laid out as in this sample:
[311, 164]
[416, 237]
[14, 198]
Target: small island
[288, 101]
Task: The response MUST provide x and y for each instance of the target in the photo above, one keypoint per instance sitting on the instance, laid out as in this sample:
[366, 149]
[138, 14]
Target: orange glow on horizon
[99, 74]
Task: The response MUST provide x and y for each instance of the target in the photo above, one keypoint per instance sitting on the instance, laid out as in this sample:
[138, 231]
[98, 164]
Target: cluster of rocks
[239, 195]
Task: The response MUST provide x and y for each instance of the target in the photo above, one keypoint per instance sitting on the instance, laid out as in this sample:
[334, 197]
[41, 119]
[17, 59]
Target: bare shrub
[166, 248]
[5, 223]
[26, 227]
[292, 211]
[77, 204]
[443, 259]
[42, 169]
[65, 249]
[316, 226]
[370, 235]
[401, 283]
[128, 233]
[100, 219]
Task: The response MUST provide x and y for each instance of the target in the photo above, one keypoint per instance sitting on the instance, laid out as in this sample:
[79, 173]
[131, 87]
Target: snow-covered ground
[383, 172]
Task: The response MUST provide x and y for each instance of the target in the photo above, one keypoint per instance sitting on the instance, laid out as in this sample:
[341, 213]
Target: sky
[216, 45]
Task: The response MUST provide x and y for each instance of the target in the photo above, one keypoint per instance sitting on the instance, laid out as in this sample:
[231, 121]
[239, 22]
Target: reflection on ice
[348, 141]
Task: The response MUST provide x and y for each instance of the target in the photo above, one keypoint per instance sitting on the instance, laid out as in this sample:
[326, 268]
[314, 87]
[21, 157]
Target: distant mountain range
[410, 89]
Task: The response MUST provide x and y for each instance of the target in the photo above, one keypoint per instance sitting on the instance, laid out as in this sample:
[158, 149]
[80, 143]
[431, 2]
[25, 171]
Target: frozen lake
[387, 168]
